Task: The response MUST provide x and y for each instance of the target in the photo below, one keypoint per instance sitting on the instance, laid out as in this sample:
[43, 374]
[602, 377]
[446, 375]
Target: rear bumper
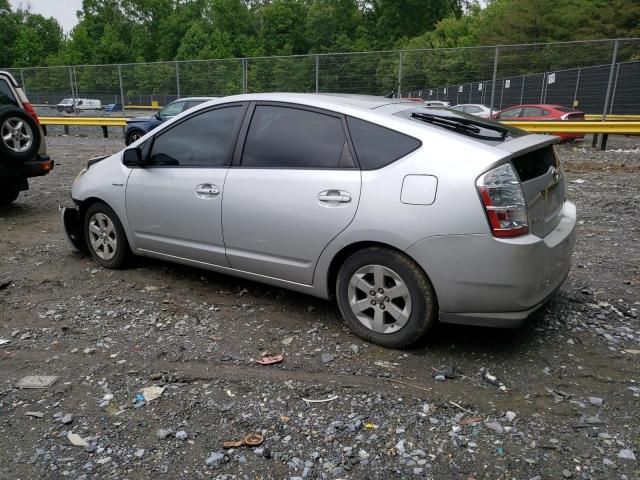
[481, 280]
[32, 168]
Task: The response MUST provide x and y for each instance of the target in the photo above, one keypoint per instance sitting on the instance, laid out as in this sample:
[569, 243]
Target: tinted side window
[514, 112]
[206, 140]
[6, 95]
[288, 137]
[532, 112]
[172, 109]
[378, 146]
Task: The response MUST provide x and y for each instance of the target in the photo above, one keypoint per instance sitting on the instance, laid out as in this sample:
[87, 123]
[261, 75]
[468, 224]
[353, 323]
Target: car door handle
[334, 196]
[207, 190]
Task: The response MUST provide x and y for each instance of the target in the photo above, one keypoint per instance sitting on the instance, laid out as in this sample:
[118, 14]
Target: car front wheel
[105, 236]
[133, 136]
[385, 297]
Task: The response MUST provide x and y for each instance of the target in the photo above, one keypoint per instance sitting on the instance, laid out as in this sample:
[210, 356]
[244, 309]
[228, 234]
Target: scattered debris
[493, 380]
[270, 360]
[37, 381]
[323, 400]
[251, 440]
[470, 420]
[327, 357]
[151, 393]
[34, 414]
[626, 454]
[77, 440]
[3, 342]
[444, 372]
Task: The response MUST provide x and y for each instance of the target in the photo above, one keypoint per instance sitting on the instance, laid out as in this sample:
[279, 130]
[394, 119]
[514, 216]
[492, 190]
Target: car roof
[193, 99]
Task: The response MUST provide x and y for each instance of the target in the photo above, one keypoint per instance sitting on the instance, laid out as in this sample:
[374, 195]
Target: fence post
[244, 75]
[317, 73]
[121, 90]
[603, 138]
[575, 93]
[524, 77]
[400, 76]
[615, 87]
[493, 81]
[24, 89]
[73, 93]
[178, 79]
[544, 79]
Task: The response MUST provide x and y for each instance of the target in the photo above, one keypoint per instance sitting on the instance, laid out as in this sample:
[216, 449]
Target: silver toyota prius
[405, 214]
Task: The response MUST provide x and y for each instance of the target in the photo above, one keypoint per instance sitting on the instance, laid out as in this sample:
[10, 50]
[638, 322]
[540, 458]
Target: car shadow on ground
[440, 339]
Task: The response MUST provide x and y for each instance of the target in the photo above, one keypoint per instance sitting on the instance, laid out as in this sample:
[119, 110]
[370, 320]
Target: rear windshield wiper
[462, 124]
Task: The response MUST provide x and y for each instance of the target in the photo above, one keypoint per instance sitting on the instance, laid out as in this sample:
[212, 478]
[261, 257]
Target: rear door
[295, 187]
[174, 204]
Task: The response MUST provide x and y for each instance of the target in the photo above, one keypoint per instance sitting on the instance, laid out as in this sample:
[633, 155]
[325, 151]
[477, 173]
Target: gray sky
[62, 10]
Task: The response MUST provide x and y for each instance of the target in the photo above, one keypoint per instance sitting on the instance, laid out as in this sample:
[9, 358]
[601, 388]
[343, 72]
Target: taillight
[503, 200]
[31, 111]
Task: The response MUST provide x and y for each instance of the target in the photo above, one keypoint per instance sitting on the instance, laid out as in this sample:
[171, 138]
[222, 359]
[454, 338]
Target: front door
[296, 188]
[174, 204]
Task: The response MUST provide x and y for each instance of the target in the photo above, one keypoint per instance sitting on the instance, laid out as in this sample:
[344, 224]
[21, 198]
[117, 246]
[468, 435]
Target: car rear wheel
[385, 297]
[19, 135]
[105, 236]
[8, 193]
[133, 136]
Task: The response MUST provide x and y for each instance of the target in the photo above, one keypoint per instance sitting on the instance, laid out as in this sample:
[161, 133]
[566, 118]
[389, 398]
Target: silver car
[404, 214]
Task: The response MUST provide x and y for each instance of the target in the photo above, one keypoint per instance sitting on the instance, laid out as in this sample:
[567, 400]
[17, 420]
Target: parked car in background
[405, 214]
[23, 151]
[476, 109]
[71, 105]
[139, 126]
[113, 107]
[436, 103]
[539, 112]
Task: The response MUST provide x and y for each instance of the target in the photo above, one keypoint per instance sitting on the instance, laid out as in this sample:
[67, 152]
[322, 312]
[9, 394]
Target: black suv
[23, 152]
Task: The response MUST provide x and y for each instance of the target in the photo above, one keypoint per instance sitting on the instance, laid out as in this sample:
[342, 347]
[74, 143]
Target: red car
[542, 112]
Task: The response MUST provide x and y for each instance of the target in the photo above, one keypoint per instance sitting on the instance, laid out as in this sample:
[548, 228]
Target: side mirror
[158, 117]
[132, 158]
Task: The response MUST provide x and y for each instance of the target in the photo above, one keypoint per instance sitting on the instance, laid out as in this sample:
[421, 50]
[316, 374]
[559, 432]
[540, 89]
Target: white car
[476, 109]
[69, 105]
[436, 103]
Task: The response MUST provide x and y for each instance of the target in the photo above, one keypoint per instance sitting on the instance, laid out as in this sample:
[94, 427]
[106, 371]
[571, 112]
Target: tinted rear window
[378, 146]
[536, 163]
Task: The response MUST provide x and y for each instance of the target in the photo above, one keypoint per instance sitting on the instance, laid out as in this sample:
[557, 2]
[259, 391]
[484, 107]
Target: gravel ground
[564, 405]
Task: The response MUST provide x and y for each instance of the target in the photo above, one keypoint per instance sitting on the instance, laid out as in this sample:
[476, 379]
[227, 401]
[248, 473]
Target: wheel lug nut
[386, 299]
[372, 292]
[381, 306]
[373, 302]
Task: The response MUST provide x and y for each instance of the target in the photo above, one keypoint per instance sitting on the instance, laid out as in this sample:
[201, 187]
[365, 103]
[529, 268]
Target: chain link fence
[596, 77]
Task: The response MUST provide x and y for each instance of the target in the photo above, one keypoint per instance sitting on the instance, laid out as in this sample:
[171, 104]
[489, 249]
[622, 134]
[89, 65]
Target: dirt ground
[571, 379]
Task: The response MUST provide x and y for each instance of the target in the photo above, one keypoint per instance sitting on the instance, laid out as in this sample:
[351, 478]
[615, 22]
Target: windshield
[485, 130]
[67, 100]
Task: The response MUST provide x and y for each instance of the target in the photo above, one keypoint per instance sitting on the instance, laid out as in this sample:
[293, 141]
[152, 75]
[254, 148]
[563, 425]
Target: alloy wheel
[379, 299]
[102, 235]
[16, 134]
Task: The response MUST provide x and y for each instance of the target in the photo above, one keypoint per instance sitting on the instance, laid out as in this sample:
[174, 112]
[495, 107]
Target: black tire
[132, 136]
[8, 193]
[106, 255]
[423, 303]
[8, 117]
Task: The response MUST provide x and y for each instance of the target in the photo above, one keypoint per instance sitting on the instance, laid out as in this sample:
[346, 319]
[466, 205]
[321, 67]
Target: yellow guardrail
[607, 127]
[88, 121]
[614, 117]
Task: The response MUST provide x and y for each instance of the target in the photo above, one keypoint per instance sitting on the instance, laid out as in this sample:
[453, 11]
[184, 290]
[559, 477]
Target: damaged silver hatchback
[405, 214]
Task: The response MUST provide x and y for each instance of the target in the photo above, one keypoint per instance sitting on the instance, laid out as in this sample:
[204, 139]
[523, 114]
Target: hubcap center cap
[380, 298]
